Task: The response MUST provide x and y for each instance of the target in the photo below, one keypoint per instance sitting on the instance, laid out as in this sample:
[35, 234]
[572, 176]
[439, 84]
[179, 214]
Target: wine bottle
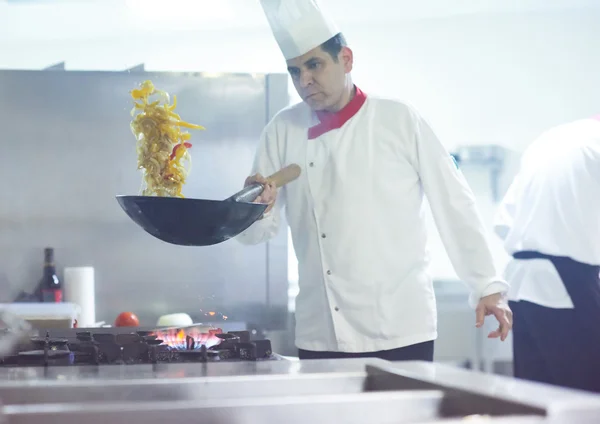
[51, 287]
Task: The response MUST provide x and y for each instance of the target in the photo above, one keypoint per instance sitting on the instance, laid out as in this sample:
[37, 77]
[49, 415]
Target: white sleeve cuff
[496, 286]
[261, 230]
[266, 215]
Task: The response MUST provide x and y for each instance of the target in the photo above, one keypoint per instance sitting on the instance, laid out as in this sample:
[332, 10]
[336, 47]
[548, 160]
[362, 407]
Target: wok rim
[179, 199]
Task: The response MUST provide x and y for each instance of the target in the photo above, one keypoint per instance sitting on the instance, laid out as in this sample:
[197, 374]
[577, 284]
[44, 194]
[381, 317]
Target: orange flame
[176, 337]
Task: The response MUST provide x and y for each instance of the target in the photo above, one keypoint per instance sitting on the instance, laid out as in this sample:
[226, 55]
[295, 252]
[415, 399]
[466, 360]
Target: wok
[198, 222]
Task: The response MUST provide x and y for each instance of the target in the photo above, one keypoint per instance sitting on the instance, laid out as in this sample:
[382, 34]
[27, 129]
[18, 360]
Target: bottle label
[52, 295]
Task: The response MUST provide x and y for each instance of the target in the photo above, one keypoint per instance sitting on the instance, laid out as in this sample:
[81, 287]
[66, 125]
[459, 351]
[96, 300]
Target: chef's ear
[347, 59]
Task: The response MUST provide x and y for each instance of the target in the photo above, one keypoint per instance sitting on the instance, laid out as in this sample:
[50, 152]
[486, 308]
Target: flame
[176, 337]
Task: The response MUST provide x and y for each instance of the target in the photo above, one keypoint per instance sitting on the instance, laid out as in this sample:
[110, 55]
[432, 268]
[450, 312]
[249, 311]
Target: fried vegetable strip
[162, 144]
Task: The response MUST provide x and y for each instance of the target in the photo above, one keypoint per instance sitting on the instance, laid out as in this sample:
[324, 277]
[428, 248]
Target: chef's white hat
[298, 25]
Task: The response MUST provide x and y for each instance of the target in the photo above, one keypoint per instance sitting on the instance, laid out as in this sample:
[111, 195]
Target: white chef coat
[553, 207]
[357, 224]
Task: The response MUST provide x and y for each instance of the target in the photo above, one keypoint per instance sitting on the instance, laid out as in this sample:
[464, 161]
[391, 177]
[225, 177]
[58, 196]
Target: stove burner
[259, 349]
[139, 347]
[134, 352]
[226, 336]
[46, 357]
[84, 336]
[125, 339]
[190, 343]
[105, 338]
[244, 336]
[53, 344]
[85, 352]
[190, 355]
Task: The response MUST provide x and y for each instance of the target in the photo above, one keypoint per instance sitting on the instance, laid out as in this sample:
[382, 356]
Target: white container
[80, 290]
[44, 315]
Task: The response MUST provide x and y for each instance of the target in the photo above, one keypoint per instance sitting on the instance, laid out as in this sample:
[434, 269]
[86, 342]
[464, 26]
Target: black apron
[561, 346]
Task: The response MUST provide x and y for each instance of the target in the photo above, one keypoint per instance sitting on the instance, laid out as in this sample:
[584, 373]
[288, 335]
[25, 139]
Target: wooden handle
[285, 175]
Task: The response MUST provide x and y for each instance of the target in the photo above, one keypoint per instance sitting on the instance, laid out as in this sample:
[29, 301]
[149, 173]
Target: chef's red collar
[334, 120]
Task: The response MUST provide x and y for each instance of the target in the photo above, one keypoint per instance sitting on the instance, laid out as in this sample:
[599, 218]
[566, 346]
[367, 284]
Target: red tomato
[127, 319]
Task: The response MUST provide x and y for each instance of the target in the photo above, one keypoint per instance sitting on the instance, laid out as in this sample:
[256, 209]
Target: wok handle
[280, 178]
[285, 175]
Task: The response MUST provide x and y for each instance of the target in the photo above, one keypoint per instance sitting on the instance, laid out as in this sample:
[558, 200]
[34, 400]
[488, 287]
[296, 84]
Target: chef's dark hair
[334, 45]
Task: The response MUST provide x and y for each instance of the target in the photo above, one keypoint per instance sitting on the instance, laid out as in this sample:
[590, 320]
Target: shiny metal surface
[494, 420]
[536, 394]
[80, 154]
[199, 389]
[284, 391]
[28, 376]
[376, 408]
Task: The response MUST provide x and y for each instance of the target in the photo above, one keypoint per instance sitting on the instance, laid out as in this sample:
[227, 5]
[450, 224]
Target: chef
[550, 224]
[357, 211]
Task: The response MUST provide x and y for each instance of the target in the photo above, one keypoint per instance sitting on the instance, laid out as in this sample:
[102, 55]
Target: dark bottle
[51, 287]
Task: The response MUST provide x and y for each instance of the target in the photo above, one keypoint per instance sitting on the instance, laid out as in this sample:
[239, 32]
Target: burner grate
[140, 347]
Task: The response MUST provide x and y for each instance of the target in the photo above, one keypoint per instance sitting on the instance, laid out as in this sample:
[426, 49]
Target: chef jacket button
[328, 272]
[336, 308]
[311, 164]
[323, 235]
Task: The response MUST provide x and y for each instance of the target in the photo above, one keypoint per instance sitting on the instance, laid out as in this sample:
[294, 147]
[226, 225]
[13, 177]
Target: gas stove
[129, 347]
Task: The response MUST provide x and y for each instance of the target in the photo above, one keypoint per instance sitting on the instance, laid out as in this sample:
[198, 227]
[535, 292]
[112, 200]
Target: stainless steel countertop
[538, 394]
[271, 385]
[39, 375]
[441, 374]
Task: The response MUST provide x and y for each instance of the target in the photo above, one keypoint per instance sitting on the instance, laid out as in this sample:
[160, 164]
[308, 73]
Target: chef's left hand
[495, 304]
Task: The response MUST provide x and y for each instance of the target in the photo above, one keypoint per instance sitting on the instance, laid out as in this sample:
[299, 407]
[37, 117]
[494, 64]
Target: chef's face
[320, 79]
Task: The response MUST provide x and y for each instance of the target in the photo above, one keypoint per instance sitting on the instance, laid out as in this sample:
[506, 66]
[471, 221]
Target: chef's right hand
[269, 193]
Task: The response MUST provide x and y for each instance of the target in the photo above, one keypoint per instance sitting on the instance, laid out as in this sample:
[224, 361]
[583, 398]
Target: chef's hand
[495, 304]
[269, 193]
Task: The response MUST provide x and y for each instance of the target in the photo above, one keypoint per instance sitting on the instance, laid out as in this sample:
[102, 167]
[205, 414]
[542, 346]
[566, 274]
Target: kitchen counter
[284, 391]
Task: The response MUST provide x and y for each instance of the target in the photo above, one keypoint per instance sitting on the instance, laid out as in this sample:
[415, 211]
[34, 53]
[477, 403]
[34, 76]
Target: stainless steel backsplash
[66, 150]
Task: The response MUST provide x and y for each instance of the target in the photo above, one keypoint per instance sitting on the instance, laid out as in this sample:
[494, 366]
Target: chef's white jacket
[357, 224]
[552, 207]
